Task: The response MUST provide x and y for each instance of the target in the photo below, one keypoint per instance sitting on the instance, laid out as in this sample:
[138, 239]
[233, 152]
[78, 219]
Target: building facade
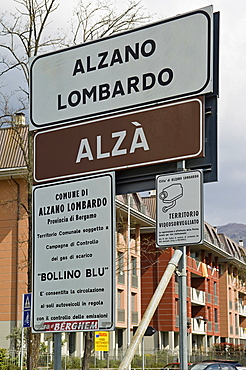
[13, 228]
[216, 290]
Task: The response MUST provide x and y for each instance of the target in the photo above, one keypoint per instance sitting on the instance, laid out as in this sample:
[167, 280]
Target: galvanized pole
[57, 351]
[172, 264]
[182, 299]
[128, 271]
[182, 311]
[143, 353]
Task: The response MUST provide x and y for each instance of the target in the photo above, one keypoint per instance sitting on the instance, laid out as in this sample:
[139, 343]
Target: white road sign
[74, 255]
[179, 205]
[171, 59]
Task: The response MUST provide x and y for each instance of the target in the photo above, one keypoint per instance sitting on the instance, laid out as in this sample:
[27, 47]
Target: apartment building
[131, 219]
[13, 228]
[216, 290]
[14, 248]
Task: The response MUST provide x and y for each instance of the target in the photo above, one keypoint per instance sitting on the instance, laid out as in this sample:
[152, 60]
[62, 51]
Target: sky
[225, 200]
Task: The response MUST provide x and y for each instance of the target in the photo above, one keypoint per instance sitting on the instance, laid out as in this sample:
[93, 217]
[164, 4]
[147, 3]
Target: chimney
[20, 119]
[241, 243]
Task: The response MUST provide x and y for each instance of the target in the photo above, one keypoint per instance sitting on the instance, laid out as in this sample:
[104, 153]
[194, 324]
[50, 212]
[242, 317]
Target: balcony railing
[134, 317]
[177, 289]
[242, 333]
[197, 296]
[198, 326]
[121, 278]
[134, 281]
[121, 314]
[241, 308]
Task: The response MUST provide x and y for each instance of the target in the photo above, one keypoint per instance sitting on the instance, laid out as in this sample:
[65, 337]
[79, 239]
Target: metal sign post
[183, 311]
[57, 351]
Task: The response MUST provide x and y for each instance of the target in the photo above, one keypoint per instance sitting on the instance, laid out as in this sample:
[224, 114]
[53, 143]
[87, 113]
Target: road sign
[159, 62]
[26, 310]
[148, 332]
[156, 135]
[73, 255]
[179, 205]
[101, 342]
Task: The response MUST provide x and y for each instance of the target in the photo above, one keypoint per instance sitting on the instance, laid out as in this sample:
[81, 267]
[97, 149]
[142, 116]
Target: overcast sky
[225, 200]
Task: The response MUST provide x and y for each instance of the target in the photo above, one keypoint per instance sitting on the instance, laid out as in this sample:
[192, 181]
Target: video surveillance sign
[74, 255]
[179, 205]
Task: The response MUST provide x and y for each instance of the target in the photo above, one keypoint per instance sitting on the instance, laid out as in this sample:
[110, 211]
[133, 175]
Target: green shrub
[71, 363]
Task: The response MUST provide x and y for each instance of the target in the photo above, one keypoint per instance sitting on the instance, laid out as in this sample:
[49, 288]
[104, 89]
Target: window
[134, 265]
[215, 288]
[177, 307]
[216, 315]
[236, 320]
[120, 303]
[133, 301]
[120, 262]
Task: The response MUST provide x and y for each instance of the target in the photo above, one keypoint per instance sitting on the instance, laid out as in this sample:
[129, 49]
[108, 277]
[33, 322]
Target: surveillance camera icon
[170, 195]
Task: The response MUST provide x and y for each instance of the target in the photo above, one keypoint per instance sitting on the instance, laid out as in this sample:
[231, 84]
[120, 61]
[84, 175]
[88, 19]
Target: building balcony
[199, 326]
[242, 333]
[197, 296]
[177, 289]
[241, 309]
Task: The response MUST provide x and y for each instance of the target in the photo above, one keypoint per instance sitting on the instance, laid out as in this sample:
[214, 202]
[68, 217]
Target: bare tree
[92, 21]
[23, 35]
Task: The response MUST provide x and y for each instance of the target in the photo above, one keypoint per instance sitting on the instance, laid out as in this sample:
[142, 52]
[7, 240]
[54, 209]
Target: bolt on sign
[160, 134]
[159, 62]
[74, 255]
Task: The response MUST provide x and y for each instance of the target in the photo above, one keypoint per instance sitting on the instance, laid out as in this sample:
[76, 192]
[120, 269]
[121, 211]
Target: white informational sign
[179, 205]
[167, 60]
[74, 255]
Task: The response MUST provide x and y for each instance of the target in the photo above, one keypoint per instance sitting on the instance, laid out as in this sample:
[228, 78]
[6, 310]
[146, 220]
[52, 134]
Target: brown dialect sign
[159, 134]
